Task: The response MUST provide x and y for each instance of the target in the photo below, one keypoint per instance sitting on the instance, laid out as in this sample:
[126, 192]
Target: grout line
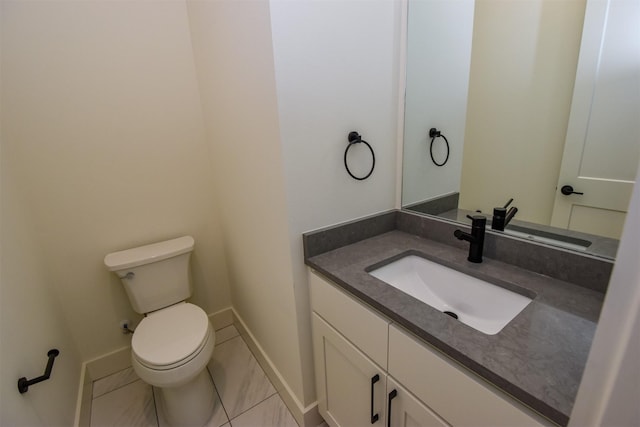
[263, 400]
[231, 339]
[215, 388]
[228, 339]
[117, 388]
[155, 405]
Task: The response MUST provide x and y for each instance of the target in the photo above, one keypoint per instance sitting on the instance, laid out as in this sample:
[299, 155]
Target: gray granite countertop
[538, 358]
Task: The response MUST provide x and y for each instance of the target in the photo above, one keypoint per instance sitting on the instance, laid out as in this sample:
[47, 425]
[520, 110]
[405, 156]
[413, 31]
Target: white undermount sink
[476, 303]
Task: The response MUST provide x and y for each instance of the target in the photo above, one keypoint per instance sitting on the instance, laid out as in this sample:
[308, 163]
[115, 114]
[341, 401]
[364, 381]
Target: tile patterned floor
[244, 395]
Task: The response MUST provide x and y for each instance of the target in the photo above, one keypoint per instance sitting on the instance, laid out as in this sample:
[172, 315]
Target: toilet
[174, 342]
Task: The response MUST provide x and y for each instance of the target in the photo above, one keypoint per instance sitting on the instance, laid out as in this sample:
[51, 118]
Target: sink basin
[476, 303]
[548, 237]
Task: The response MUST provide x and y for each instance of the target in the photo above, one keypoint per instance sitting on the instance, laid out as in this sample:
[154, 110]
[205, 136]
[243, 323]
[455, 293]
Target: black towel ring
[434, 133]
[355, 138]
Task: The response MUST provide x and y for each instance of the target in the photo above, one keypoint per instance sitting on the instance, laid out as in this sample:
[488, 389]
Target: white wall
[31, 321]
[102, 120]
[438, 62]
[523, 68]
[336, 70]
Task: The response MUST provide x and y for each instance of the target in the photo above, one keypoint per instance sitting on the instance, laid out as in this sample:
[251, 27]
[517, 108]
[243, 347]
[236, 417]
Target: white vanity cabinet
[367, 368]
[350, 346]
[354, 391]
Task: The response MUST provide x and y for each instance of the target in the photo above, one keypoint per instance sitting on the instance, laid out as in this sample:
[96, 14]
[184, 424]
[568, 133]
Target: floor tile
[115, 381]
[131, 406]
[239, 379]
[269, 413]
[226, 334]
[218, 418]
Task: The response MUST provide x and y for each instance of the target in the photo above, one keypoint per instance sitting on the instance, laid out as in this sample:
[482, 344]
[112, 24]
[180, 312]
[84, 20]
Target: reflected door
[602, 147]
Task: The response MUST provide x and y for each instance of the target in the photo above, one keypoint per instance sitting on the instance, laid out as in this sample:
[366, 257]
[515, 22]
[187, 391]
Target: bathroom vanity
[383, 357]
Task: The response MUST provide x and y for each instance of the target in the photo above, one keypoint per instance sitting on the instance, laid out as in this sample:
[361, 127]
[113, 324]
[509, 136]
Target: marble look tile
[131, 406]
[218, 418]
[269, 413]
[225, 334]
[113, 382]
[239, 379]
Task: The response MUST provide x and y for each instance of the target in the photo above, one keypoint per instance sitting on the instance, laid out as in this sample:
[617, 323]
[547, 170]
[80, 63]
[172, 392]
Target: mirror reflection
[533, 101]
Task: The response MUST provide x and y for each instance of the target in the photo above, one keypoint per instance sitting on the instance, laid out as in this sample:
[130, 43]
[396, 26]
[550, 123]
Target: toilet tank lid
[149, 253]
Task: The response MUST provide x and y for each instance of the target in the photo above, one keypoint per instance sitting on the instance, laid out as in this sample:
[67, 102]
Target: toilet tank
[154, 276]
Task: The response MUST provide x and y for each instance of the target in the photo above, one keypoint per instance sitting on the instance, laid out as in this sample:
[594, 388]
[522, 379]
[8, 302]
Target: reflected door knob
[568, 190]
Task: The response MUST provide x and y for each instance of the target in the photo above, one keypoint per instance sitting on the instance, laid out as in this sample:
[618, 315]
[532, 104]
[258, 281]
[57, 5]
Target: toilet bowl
[174, 342]
[171, 346]
[170, 350]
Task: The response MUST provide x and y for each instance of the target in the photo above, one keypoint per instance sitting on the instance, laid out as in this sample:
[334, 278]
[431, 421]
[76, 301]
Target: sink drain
[451, 313]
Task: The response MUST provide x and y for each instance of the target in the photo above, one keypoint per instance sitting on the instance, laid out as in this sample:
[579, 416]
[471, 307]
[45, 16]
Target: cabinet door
[404, 410]
[350, 387]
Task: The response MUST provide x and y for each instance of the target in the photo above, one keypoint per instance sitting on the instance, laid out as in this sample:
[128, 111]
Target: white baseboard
[222, 318]
[109, 363]
[304, 416]
[85, 394]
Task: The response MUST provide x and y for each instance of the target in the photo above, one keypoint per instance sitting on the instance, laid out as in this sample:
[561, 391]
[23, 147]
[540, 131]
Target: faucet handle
[508, 203]
[478, 220]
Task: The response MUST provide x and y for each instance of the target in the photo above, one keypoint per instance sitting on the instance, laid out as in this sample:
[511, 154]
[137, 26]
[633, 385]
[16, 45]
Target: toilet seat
[171, 337]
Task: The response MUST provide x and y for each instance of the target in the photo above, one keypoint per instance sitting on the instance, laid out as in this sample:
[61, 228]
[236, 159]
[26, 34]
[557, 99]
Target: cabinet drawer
[359, 324]
[453, 392]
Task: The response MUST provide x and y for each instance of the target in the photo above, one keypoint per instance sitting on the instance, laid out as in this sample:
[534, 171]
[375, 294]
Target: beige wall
[240, 105]
[136, 121]
[523, 68]
[31, 322]
[104, 127]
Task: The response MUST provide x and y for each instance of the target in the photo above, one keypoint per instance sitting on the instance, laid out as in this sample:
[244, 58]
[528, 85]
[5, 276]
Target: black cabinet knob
[568, 190]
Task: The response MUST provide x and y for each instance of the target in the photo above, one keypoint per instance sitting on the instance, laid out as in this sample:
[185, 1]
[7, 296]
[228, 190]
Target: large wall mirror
[516, 100]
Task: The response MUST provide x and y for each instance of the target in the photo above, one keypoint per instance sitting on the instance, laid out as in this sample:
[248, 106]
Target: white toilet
[174, 342]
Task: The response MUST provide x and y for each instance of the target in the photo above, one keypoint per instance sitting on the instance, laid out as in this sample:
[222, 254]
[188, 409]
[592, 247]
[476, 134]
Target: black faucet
[476, 238]
[501, 217]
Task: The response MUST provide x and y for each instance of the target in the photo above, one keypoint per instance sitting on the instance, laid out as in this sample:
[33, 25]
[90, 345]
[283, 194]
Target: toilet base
[189, 405]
